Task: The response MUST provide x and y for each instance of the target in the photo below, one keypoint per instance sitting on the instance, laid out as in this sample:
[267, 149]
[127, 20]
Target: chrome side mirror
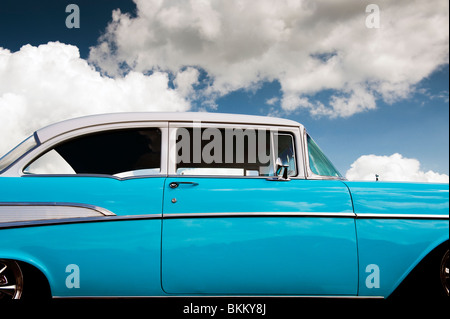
[278, 166]
[281, 168]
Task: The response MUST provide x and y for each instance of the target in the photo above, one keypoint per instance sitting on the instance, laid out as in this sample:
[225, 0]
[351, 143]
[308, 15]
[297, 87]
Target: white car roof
[59, 128]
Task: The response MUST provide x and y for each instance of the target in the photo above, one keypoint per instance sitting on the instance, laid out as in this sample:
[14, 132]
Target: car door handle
[176, 184]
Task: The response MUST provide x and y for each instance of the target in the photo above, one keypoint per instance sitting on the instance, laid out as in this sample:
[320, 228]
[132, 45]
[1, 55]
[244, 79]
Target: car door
[232, 227]
[117, 170]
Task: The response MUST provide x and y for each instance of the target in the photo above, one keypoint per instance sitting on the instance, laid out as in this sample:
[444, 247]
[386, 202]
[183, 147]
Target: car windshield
[318, 162]
[17, 152]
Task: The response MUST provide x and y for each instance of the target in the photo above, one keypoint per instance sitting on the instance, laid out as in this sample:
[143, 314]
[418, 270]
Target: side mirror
[279, 168]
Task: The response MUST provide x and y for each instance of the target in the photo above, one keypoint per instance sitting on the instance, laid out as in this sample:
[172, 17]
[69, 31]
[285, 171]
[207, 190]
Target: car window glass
[122, 153]
[286, 152]
[231, 152]
[17, 152]
[318, 162]
[48, 163]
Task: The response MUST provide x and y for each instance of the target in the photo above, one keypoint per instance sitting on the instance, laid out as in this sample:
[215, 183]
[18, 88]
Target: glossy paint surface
[229, 236]
[396, 245]
[257, 254]
[121, 197]
[399, 198]
[114, 258]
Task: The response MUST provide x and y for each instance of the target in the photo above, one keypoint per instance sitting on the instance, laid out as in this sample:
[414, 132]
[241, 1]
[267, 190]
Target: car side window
[318, 162]
[122, 153]
[286, 152]
[232, 152]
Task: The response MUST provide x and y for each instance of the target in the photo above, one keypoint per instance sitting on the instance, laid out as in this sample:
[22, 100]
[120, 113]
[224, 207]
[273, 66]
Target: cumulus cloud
[306, 45]
[52, 80]
[392, 168]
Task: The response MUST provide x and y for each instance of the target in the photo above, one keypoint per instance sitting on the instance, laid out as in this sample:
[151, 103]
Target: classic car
[204, 204]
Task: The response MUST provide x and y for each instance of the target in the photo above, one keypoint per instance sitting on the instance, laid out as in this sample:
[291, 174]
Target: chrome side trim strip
[260, 214]
[77, 220]
[94, 219]
[401, 216]
[308, 214]
[98, 209]
[38, 212]
[112, 218]
[222, 296]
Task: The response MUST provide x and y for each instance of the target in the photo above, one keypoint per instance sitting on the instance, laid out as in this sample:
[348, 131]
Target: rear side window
[17, 152]
[120, 153]
[233, 152]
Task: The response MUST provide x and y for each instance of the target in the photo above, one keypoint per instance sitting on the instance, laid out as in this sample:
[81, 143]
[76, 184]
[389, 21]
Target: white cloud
[392, 168]
[272, 101]
[307, 45]
[186, 80]
[45, 84]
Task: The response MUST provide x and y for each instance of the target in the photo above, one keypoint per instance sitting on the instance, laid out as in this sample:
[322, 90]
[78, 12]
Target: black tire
[36, 285]
[444, 272]
[11, 280]
[427, 281]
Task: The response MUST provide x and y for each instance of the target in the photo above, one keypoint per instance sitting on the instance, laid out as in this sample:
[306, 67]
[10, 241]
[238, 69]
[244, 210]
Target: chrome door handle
[176, 184]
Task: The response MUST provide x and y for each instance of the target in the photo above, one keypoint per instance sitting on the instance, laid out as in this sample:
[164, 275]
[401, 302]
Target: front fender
[395, 247]
[398, 224]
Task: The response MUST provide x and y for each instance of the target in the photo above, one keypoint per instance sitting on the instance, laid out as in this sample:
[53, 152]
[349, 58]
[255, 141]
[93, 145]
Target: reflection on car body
[206, 204]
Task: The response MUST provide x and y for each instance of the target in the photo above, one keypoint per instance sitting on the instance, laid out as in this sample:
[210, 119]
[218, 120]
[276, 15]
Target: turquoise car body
[226, 236]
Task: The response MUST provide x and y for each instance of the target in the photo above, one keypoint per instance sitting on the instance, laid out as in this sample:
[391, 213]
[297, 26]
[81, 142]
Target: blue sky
[416, 127]
[259, 63]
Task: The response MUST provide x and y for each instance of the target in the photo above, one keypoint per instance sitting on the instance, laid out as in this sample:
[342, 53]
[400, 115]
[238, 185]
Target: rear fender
[31, 260]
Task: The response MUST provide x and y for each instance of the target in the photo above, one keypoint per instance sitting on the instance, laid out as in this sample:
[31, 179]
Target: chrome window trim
[16, 170]
[93, 176]
[271, 178]
[37, 145]
[309, 173]
[293, 137]
[62, 127]
[294, 130]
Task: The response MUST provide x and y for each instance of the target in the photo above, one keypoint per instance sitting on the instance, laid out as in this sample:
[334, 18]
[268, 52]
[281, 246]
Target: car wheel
[11, 280]
[445, 273]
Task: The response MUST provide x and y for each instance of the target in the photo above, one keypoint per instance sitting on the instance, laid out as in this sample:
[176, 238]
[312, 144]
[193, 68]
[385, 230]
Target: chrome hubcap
[445, 273]
[11, 280]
